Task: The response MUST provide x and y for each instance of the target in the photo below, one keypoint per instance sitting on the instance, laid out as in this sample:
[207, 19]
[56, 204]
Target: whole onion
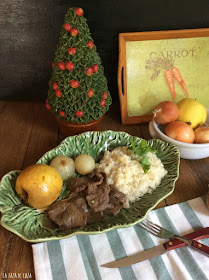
[84, 164]
[64, 165]
[165, 112]
[201, 135]
[180, 131]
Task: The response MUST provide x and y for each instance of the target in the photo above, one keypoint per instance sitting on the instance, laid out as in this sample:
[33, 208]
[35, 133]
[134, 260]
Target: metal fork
[166, 234]
[162, 232]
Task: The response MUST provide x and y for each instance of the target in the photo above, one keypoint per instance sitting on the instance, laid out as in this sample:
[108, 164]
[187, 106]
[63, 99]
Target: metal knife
[159, 250]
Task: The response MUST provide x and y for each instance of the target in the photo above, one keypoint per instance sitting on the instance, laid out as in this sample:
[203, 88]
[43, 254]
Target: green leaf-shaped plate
[33, 226]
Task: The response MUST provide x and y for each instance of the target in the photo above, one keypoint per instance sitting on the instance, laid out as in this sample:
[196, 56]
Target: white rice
[128, 176]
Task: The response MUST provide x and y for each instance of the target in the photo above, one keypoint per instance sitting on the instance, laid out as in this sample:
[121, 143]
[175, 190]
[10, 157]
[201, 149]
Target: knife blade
[158, 250]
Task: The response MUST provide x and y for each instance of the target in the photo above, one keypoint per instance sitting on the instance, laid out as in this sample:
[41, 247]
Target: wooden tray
[183, 55]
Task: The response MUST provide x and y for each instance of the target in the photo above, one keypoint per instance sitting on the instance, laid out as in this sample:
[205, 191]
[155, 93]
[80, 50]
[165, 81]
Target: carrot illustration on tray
[171, 73]
[170, 81]
[179, 79]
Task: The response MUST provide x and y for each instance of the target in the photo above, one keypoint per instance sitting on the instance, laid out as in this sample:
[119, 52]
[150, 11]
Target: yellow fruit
[39, 185]
[192, 112]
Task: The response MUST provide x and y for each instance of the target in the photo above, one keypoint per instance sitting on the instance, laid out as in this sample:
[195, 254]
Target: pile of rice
[127, 175]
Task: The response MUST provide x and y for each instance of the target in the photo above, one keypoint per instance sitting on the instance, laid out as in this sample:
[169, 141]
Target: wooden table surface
[28, 130]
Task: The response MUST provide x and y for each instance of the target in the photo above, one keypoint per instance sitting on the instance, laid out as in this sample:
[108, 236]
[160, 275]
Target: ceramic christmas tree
[78, 92]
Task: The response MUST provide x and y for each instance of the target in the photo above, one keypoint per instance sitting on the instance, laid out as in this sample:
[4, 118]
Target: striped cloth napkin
[80, 257]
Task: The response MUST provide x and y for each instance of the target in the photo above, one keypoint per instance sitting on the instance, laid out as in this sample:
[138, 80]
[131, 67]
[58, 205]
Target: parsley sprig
[139, 153]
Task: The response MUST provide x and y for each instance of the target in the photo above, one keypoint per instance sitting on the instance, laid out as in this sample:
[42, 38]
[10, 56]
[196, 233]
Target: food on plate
[121, 177]
[64, 165]
[84, 164]
[165, 112]
[90, 200]
[39, 185]
[35, 226]
[202, 134]
[126, 174]
[180, 131]
[192, 112]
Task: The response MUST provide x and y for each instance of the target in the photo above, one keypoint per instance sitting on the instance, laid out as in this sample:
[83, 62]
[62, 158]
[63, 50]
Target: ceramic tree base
[69, 129]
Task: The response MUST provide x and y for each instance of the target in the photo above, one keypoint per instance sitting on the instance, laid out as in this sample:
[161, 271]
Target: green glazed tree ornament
[78, 89]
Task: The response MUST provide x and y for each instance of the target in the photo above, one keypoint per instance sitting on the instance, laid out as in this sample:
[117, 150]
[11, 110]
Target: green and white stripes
[80, 257]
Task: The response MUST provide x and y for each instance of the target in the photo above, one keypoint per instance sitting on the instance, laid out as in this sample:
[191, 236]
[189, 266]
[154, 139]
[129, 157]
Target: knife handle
[201, 247]
[196, 235]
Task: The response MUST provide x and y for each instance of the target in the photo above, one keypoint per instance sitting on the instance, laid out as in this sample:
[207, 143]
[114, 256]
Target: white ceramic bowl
[187, 151]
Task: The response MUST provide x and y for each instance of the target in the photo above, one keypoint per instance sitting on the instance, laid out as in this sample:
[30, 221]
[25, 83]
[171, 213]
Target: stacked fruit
[184, 121]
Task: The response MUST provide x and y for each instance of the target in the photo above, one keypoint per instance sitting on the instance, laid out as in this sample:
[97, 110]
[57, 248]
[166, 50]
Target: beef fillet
[67, 215]
[117, 200]
[91, 198]
[98, 198]
[93, 179]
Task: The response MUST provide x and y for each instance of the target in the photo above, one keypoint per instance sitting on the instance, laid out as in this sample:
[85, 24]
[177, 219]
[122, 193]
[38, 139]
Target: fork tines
[150, 227]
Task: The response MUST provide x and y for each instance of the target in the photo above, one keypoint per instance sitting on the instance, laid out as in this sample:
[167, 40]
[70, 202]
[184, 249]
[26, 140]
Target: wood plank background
[29, 31]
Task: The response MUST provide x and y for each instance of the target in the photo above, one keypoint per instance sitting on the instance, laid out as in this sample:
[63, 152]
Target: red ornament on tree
[55, 86]
[58, 93]
[72, 51]
[79, 114]
[90, 44]
[104, 96]
[103, 102]
[61, 66]
[62, 114]
[79, 11]
[48, 107]
[74, 32]
[69, 65]
[67, 27]
[89, 71]
[74, 84]
[95, 68]
[53, 63]
[90, 93]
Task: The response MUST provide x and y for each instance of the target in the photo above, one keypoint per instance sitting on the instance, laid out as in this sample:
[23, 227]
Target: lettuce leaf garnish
[139, 153]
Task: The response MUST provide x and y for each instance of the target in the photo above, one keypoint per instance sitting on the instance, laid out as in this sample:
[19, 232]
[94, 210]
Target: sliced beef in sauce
[99, 198]
[117, 200]
[67, 215]
[78, 184]
[94, 216]
[91, 198]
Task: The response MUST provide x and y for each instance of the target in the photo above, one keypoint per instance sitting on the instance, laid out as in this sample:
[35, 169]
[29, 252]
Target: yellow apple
[39, 185]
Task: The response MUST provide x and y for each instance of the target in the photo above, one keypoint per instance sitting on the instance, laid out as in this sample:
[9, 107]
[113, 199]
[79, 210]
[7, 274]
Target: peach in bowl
[187, 150]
